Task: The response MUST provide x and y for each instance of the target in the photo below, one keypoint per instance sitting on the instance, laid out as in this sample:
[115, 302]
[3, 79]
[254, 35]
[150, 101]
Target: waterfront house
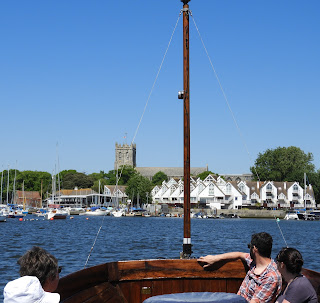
[217, 193]
[31, 198]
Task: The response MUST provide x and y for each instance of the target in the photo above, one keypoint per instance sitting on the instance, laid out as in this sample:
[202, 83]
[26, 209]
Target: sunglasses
[59, 269]
[250, 245]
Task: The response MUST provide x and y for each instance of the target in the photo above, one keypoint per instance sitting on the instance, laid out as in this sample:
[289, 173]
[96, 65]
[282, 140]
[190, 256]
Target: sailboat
[135, 281]
[55, 213]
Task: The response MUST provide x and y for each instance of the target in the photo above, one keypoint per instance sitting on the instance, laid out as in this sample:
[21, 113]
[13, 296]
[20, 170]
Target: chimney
[285, 185]
[257, 184]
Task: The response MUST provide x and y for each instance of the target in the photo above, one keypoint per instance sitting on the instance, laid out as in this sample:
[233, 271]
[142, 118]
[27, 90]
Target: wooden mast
[186, 132]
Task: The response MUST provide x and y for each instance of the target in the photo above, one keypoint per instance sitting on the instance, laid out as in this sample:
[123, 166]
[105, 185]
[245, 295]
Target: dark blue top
[197, 297]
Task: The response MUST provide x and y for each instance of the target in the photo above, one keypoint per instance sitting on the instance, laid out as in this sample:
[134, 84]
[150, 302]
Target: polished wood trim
[174, 268]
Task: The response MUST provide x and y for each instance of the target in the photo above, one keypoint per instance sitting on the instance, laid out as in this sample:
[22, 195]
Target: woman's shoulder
[303, 281]
[301, 286]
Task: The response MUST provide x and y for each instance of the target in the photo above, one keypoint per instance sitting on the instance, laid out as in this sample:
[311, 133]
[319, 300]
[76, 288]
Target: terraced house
[217, 193]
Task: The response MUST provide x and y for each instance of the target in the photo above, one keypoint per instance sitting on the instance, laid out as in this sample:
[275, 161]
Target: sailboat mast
[8, 185]
[1, 186]
[41, 196]
[305, 191]
[186, 132]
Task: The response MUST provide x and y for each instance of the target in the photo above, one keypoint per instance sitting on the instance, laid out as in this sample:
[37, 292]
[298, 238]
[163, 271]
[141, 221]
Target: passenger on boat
[28, 289]
[41, 264]
[39, 273]
[299, 288]
[262, 282]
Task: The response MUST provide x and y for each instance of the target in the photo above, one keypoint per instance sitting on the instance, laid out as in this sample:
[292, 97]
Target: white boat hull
[94, 213]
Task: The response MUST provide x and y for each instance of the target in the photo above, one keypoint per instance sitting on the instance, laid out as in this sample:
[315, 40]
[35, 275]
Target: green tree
[31, 180]
[159, 177]
[139, 185]
[97, 176]
[65, 172]
[205, 174]
[80, 180]
[123, 174]
[283, 164]
[314, 180]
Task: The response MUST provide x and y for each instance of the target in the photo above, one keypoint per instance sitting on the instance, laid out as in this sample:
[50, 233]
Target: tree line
[287, 164]
[280, 164]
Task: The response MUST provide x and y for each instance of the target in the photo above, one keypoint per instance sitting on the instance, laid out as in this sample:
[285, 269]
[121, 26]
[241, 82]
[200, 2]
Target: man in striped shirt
[263, 281]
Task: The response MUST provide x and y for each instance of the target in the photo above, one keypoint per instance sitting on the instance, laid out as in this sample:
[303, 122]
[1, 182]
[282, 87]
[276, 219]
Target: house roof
[113, 188]
[78, 192]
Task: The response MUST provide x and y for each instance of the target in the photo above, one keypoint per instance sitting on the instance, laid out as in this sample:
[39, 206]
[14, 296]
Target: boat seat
[197, 297]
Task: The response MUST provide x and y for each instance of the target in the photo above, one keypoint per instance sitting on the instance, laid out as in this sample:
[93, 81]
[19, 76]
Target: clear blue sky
[78, 73]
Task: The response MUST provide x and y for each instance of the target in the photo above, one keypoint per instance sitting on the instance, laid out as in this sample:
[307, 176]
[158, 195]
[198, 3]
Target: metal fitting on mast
[181, 94]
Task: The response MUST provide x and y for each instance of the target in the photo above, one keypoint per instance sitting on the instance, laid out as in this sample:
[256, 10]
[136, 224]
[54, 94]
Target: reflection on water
[136, 238]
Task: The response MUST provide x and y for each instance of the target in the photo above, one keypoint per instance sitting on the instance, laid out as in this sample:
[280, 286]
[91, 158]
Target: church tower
[125, 155]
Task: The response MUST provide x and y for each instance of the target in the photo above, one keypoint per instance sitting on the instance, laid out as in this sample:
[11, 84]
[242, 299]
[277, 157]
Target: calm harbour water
[136, 238]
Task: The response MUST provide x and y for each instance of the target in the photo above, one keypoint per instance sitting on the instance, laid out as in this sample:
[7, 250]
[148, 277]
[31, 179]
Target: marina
[129, 259]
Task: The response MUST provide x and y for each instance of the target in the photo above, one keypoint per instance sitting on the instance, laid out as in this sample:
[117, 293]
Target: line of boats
[62, 213]
[11, 211]
[303, 215]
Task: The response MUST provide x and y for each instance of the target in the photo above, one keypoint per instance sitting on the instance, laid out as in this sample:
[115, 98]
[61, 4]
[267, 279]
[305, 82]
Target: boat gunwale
[146, 270]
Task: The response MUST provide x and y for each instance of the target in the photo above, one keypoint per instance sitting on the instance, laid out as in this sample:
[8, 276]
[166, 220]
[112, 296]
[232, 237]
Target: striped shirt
[261, 288]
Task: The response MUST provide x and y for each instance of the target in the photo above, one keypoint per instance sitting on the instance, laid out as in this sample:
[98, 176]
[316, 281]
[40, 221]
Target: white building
[221, 194]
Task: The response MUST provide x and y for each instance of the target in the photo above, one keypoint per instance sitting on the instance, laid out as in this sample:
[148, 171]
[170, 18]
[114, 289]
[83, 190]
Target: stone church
[126, 155]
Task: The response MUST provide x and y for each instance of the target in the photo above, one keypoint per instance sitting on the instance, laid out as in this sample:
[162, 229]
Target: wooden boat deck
[135, 281]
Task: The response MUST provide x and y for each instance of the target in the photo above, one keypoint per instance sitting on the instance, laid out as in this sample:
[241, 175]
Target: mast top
[185, 1]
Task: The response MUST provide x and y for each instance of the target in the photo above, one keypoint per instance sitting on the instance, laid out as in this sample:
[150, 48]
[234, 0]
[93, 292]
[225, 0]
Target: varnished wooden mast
[186, 134]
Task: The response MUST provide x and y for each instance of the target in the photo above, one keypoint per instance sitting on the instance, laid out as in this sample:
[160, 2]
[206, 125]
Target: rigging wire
[93, 245]
[154, 83]
[152, 88]
[232, 114]
[225, 96]
[145, 107]
[281, 231]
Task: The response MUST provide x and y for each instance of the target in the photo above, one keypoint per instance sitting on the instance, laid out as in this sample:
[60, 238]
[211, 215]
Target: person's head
[263, 243]
[39, 263]
[291, 258]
